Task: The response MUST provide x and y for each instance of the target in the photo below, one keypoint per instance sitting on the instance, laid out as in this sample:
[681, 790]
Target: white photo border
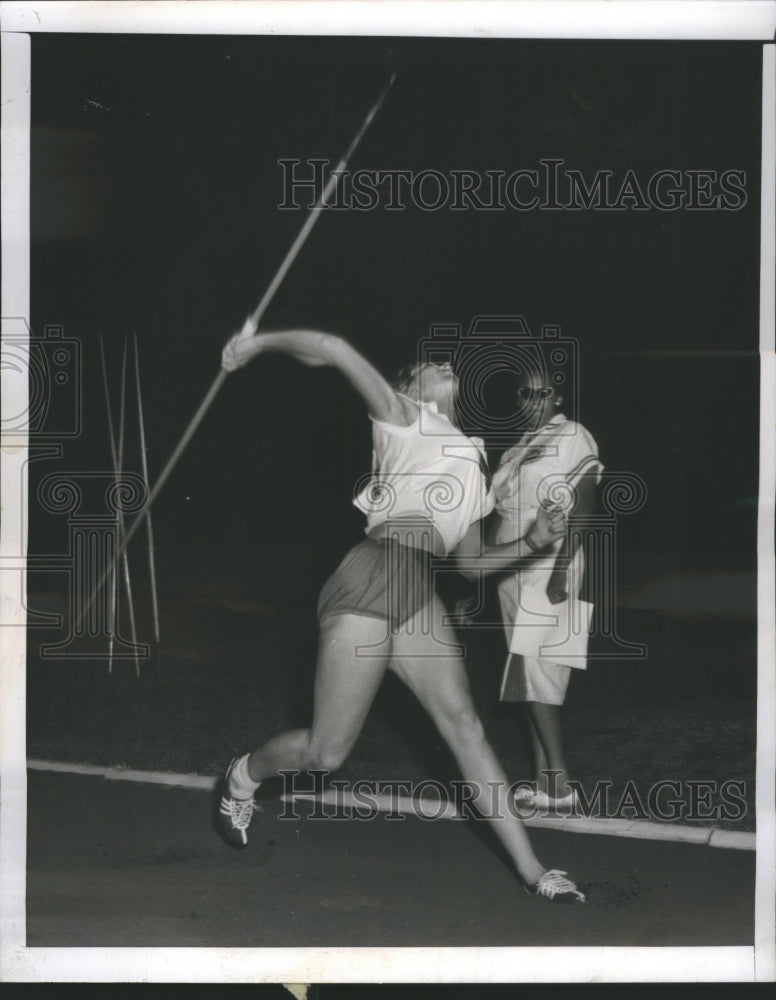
[750, 19]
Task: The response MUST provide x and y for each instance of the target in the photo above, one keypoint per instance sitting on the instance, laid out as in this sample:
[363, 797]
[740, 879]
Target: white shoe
[235, 815]
[553, 885]
[524, 796]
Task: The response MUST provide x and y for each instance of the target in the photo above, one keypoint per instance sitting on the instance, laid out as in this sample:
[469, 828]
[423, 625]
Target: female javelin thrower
[382, 594]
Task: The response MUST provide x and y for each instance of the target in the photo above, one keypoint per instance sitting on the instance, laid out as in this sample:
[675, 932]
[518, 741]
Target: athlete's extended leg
[345, 686]
[438, 678]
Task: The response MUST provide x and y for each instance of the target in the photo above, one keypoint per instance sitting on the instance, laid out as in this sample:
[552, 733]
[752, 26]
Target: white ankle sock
[241, 785]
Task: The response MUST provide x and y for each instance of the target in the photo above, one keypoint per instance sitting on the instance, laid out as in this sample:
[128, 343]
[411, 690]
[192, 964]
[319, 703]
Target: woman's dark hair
[563, 386]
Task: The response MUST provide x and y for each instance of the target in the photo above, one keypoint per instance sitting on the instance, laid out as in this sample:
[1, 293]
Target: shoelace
[553, 882]
[242, 811]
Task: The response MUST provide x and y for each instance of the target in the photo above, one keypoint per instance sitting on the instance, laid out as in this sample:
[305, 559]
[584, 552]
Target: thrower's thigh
[430, 662]
[346, 681]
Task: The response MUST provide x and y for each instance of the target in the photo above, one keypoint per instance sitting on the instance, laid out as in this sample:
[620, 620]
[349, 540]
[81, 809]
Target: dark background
[155, 187]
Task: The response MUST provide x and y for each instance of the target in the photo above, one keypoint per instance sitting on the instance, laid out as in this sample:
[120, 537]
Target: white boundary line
[430, 808]
[199, 781]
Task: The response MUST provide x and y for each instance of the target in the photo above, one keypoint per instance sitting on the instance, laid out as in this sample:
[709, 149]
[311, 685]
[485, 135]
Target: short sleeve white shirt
[541, 468]
[429, 469]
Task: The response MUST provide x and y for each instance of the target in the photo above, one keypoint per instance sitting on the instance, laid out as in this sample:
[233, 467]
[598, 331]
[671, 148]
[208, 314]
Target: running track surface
[114, 864]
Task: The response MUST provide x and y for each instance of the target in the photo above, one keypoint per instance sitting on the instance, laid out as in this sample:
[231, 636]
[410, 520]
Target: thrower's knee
[326, 758]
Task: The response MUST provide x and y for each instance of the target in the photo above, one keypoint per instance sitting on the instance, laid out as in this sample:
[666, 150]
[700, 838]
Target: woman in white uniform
[554, 462]
[427, 496]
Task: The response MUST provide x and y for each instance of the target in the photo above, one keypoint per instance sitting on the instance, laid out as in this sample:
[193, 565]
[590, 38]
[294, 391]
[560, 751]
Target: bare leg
[546, 723]
[345, 687]
[438, 678]
[540, 762]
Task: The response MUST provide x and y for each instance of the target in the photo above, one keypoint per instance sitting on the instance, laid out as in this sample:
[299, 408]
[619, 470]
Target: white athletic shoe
[525, 796]
[553, 885]
[234, 815]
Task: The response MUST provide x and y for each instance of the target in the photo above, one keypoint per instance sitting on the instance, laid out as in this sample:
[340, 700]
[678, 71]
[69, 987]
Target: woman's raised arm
[316, 348]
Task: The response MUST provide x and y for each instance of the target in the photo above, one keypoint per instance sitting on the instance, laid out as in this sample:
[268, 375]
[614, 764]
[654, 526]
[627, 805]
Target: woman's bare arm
[316, 348]
[474, 558]
[557, 585]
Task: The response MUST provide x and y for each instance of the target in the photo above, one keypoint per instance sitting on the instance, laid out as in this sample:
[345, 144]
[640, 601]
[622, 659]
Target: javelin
[255, 318]
[118, 459]
[149, 526]
[122, 413]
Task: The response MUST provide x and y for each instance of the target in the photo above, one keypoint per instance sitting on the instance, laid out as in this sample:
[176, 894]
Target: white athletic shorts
[529, 679]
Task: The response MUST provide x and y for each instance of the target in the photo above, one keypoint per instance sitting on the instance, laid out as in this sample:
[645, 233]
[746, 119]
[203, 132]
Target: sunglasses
[526, 392]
